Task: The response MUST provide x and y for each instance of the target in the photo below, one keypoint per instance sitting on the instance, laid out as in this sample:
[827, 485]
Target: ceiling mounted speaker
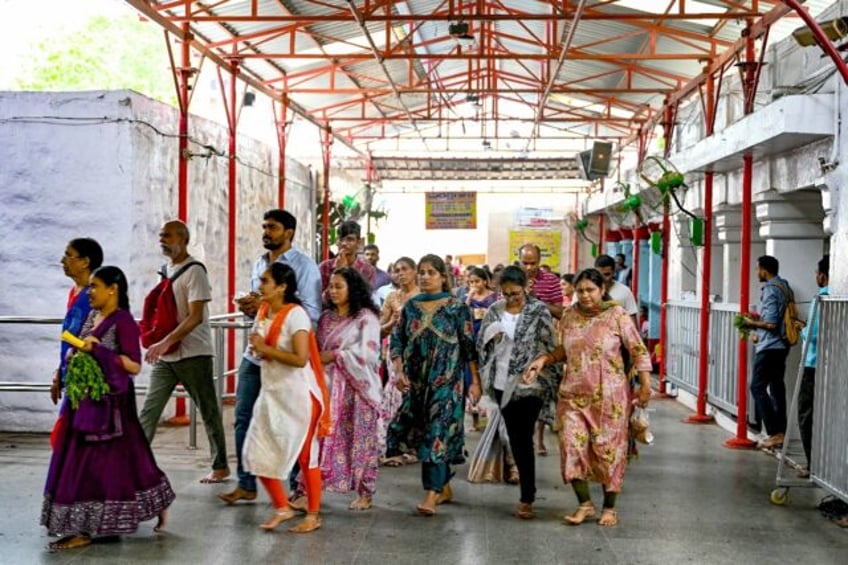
[599, 161]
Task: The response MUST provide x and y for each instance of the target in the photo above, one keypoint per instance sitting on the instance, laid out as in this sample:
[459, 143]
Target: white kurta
[282, 413]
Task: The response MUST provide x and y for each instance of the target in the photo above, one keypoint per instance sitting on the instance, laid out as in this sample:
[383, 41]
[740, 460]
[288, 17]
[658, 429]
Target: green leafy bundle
[740, 322]
[84, 378]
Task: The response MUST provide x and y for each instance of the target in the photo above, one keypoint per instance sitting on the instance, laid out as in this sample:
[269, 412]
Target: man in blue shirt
[278, 230]
[810, 334]
[767, 386]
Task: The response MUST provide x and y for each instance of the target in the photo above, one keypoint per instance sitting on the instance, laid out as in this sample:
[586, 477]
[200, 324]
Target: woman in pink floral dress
[595, 397]
[349, 339]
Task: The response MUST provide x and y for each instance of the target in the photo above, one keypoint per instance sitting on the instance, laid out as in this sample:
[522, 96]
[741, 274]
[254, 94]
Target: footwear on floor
[237, 494]
[771, 442]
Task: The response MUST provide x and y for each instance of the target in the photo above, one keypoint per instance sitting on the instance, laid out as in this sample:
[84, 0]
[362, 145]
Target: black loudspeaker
[599, 161]
[594, 163]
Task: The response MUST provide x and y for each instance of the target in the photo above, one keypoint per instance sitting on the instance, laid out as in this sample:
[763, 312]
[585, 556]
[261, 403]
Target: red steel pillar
[280, 118]
[750, 77]
[326, 143]
[182, 77]
[700, 416]
[640, 234]
[602, 231]
[668, 127]
[575, 242]
[232, 193]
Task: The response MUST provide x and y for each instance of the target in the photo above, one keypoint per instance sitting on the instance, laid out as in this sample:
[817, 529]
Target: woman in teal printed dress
[430, 346]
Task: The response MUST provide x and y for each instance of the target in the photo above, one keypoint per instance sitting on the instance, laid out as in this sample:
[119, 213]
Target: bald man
[191, 362]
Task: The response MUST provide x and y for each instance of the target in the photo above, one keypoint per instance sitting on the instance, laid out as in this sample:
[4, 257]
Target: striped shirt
[547, 288]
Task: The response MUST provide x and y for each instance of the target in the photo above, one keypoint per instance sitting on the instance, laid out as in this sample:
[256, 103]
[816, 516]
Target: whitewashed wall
[93, 164]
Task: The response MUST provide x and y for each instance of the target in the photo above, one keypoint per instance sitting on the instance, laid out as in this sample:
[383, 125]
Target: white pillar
[728, 225]
[792, 227]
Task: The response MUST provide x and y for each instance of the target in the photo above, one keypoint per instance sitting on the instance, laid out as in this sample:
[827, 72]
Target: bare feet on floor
[161, 522]
[445, 496]
[428, 506]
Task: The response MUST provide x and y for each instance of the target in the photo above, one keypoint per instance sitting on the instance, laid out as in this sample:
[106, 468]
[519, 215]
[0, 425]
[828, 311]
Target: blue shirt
[772, 307]
[308, 283]
[811, 333]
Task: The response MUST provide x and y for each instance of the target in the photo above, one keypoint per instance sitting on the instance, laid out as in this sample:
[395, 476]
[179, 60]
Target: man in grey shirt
[278, 230]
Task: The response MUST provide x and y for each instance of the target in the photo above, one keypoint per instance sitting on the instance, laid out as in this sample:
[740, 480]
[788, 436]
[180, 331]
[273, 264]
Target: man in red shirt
[541, 284]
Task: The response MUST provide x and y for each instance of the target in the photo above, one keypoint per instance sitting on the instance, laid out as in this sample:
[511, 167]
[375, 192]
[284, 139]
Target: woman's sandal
[524, 510]
[609, 518]
[396, 461]
[585, 510]
[280, 516]
[69, 542]
[161, 521]
[361, 503]
[513, 478]
[298, 503]
[309, 524]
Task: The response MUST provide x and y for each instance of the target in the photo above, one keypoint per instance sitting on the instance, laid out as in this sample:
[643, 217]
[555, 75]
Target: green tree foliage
[106, 54]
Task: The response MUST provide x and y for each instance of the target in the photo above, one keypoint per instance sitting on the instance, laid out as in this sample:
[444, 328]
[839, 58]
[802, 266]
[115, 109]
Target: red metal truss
[376, 69]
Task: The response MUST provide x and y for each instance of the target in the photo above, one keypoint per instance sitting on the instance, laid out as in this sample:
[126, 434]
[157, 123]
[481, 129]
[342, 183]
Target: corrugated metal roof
[625, 54]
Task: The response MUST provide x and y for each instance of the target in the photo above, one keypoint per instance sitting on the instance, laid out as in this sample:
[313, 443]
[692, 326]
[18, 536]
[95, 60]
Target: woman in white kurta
[289, 416]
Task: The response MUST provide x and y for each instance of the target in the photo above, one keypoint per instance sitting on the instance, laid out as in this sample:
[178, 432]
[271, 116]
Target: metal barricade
[724, 355]
[220, 325]
[683, 323]
[829, 465]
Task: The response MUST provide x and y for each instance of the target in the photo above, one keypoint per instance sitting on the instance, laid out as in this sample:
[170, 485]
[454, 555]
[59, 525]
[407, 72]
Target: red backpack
[160, 315]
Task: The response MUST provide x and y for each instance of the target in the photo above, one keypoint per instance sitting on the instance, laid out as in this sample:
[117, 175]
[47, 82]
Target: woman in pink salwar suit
[595, 397]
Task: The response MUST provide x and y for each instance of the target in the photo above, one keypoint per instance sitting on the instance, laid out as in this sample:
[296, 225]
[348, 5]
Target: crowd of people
[349, 368]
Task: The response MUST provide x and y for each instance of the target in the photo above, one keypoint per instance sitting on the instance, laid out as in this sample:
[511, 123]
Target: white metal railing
[221, 324]
[683, 323]
[829, 465]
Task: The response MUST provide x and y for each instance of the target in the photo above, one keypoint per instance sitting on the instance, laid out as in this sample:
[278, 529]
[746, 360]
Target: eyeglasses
[66, 256]
[513, 294]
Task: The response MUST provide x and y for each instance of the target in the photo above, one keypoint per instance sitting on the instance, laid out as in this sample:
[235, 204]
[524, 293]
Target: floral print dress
[594, 395]
[436, 341]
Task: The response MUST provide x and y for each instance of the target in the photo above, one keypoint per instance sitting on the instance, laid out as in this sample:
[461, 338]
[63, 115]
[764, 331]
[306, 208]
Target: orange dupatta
[325, 424]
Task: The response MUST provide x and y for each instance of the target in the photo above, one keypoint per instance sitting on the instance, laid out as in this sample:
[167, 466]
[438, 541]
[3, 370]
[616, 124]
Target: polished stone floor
[687, 500]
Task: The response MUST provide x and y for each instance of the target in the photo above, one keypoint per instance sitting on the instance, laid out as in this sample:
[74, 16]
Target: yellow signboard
[549, 243]
[450, 210]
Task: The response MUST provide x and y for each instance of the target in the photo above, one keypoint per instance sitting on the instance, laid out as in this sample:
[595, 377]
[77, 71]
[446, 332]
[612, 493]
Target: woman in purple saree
[103, 479]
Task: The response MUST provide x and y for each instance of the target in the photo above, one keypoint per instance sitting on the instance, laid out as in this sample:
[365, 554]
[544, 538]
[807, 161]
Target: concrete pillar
[792, 228]
[728, 223]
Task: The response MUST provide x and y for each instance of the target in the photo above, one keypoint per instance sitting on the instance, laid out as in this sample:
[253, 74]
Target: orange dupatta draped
[325, 424]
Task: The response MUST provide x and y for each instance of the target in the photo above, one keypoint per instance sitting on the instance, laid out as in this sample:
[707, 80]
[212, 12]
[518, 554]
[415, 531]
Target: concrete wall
[104, 165]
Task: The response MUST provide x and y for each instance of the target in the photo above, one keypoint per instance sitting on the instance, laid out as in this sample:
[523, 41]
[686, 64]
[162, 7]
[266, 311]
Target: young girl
[290, 414]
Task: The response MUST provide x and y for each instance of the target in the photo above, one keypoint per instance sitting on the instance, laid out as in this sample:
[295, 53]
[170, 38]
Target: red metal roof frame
[408, 78]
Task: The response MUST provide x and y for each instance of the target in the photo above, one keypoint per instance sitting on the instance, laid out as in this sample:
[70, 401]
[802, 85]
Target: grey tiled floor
[687, 500]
